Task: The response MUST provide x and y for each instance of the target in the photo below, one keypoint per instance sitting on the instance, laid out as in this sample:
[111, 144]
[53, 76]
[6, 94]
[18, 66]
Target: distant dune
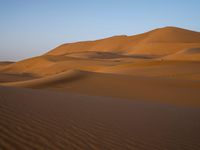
[157, 42]
[169, 44]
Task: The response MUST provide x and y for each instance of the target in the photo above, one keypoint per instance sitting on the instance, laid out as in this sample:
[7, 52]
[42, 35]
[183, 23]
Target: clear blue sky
[32, 27]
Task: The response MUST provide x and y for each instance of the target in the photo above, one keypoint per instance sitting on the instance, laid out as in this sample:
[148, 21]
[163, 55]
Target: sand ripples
[65, 121]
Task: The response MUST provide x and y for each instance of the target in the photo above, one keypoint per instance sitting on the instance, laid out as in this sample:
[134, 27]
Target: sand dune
[133, 65]
[123, 92]
[157, 42]
[167, 43]
[33, 119]
[181, 92]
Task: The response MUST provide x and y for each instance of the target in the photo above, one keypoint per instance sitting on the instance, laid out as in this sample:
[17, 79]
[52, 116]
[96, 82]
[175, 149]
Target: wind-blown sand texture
[32, 119]
[124, 92]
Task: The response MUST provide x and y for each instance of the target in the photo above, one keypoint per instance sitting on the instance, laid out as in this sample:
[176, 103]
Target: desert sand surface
[122, 92]
[181, 92]
[39, 119]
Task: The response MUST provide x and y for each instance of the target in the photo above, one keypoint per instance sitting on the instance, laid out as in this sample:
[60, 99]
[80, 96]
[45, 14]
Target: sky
[32, 27]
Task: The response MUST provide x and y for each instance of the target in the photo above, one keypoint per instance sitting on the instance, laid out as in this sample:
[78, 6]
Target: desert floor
[40, 119]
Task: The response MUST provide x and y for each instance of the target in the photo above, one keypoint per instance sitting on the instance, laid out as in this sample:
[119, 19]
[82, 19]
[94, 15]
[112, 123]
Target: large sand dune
[158, 42]
[168, 44]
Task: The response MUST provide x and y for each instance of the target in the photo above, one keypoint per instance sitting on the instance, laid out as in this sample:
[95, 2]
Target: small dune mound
[56, 79]
[192, 51]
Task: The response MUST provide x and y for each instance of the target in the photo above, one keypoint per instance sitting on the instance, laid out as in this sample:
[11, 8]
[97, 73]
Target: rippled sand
[35, 119]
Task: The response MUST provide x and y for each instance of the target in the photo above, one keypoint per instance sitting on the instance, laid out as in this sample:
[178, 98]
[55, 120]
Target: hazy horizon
[30, 28]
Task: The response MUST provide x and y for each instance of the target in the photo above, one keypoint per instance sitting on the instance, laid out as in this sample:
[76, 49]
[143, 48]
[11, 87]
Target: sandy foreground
[40, 119]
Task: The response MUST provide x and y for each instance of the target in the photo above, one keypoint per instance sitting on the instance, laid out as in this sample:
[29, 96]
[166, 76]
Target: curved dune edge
[50, 80]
